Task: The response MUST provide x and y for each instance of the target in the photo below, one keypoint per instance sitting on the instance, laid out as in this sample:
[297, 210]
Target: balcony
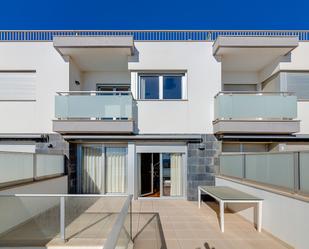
[93, 112]
[255, 113]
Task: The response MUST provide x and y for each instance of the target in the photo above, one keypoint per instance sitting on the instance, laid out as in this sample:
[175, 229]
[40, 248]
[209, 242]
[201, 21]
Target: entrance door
[150, 174]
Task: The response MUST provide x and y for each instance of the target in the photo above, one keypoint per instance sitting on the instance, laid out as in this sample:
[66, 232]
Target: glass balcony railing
[18, 167]
[32, 220]
[94, 105]
[283, 170]
[255, 106]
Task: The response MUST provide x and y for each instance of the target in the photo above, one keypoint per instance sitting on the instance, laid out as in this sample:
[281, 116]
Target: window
[162, 86]
[149, 87]
[113, 87]
[240, 87]
[244, 147]
[298, 83]
[294, 82]
[102, 169]
[172, 87]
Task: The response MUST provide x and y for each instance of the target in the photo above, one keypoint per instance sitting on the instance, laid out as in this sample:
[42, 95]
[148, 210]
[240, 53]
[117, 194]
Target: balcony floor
[186, 227]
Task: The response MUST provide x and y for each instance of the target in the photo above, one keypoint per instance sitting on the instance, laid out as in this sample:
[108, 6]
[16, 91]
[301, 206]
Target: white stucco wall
[52, 74]
[75, 75]
[296, 60]
[303, 116]
[229, 77]
[194, 115]
[284, 217]
[90, 79]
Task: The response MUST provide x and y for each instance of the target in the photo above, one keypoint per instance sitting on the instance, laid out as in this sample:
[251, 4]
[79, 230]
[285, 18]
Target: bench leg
[222, 216]
[259, 216]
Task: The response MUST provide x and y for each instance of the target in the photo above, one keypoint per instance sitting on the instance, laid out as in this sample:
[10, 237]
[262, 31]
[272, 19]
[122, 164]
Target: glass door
[101, 169]
[172, 174]
[149, 168]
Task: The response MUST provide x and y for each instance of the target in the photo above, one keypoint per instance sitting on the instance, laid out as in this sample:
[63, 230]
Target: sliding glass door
[161, 174]
[102, 169]
[116, 170]
[92, 170]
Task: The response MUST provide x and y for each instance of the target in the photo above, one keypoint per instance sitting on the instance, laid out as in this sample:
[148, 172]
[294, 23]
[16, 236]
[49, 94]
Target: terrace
[108, 222]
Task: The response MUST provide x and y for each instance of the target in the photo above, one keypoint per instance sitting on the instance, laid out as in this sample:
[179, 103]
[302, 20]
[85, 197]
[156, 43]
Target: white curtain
[92, 170]
[116, 170]
[176, 175]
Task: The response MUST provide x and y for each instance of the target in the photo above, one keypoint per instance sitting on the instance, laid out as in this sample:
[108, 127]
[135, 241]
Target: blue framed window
[149, 87]
[162, 86]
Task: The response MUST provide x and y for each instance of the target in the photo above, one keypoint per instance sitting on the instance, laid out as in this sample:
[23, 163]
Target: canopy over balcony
[95, 53]
[237, 52]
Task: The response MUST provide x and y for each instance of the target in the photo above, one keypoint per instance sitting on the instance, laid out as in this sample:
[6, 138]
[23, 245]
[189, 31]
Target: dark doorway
[150, 174]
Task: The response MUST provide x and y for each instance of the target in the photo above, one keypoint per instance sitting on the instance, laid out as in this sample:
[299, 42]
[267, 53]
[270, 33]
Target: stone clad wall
[202, 164]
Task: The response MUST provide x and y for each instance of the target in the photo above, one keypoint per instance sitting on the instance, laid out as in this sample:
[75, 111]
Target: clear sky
[154, 14]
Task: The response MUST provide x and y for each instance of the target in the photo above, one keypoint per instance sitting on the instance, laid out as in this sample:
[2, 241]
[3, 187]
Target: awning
[277, 138]
[169, 137]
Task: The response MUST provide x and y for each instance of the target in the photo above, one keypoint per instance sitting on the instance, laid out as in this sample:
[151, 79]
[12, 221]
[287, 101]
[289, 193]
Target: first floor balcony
[95, 112]
[255, 113]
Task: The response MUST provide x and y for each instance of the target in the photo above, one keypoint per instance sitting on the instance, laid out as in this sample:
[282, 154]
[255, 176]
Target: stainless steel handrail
[259, 153]
[93, 92]
[296, 168]
[254, 93]
[62, 195]
[113, 237]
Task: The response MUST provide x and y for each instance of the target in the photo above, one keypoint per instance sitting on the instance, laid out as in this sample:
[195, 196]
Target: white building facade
[149, 116]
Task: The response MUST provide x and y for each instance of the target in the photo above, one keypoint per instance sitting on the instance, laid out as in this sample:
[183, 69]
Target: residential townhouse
[154, 113]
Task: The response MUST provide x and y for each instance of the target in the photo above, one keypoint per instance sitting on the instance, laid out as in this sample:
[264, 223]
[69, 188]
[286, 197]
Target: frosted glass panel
[15, 166]
[96, 106]
[28, 221]
[251, 106]
[231, 165]
[304, 171]
[275, 169]
[49, 165]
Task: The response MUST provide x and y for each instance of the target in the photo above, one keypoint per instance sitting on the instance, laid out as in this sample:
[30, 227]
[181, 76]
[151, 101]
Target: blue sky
[154, 14]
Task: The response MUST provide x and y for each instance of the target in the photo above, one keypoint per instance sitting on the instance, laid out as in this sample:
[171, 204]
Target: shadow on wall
[134, 57]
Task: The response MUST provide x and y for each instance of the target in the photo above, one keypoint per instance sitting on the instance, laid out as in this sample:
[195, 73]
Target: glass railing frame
[252, 93]
[296, 170]
[95, 94]
[112, 240]
[35, 176]
[117, 227]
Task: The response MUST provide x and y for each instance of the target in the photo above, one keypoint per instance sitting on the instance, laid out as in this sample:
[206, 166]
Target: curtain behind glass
[92, 182]
[176, 176]
[116, 169]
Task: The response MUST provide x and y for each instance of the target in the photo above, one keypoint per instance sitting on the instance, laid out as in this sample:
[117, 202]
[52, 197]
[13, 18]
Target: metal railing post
[244, 167]
[62, 217]
[296, 172]
[131, 220]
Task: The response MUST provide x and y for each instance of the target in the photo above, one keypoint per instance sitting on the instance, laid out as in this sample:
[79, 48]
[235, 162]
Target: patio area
[184, 226]
[156, 224]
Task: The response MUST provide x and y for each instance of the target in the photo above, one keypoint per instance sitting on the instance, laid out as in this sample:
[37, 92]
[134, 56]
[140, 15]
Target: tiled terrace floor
[186, 227]
[156, 224]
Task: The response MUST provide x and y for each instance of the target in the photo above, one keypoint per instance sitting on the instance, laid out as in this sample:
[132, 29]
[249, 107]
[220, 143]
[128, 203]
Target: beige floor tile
[172, 244]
